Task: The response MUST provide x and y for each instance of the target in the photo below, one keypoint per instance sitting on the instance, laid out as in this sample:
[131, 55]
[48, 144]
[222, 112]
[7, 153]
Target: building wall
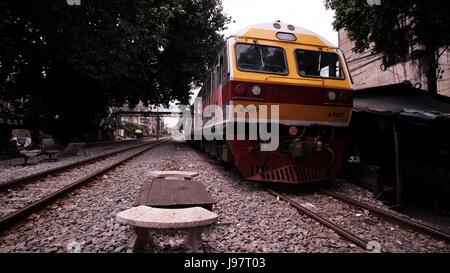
[149, 122]
[366, 69]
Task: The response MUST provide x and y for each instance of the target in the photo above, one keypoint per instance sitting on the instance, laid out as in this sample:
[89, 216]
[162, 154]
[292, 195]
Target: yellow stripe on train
[295, 114]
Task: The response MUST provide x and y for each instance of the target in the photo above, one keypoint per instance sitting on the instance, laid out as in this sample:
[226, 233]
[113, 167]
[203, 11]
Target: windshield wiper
[320, 63]
[258, 48]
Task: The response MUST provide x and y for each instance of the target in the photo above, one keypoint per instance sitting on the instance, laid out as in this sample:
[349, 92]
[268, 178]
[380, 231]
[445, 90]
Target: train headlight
[344, 97]
[256, 90]
[319, 146]
[293, 130]
[240, 90]
[332, 95]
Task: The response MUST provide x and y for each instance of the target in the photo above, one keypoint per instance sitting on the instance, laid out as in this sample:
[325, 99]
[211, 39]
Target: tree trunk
[431, 69]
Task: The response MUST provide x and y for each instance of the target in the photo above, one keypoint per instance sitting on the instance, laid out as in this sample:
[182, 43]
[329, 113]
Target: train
[294, 71]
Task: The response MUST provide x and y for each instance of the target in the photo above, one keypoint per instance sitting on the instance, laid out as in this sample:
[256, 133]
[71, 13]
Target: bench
[24, 145]
[144, 218]
[169, 200]
[27, 154]
[174, 193]
[49, 148]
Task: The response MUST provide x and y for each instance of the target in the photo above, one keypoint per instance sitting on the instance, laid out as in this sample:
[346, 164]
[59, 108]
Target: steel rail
[339, 230]
[390, 216]
[110, 143]
[8, 220]
[37, 175]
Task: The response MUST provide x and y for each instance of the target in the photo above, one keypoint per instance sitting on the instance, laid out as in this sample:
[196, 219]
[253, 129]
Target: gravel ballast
[250, 218]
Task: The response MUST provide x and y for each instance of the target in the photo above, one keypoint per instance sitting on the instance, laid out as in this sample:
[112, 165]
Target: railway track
[360, 239]
[60, 189]
[343, 232]
[109, 143]
[370, 230]
[32, 177]
[391, 217]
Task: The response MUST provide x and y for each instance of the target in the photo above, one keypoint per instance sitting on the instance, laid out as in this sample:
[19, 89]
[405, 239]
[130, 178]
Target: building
[368, 71]
[151, 123]
[398, 134]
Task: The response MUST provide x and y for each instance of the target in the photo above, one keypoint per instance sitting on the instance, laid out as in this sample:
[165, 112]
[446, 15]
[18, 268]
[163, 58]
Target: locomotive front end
[306, 79]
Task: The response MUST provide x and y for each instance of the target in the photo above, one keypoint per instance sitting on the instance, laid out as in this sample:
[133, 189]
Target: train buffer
[168, 201]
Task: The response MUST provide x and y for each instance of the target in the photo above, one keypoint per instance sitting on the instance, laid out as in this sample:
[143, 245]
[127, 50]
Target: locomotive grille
[290, 174]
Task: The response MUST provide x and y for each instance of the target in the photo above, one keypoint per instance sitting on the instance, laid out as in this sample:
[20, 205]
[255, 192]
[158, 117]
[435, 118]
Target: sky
[309, 14]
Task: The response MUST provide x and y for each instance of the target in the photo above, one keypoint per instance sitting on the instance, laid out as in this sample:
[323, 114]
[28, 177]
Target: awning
[412, 103]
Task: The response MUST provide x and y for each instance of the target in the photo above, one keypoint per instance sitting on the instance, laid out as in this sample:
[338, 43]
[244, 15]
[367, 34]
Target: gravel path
[86, 218]
[250, 219]
[18, 197]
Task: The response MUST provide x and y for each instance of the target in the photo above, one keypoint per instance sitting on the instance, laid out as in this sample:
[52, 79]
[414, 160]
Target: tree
[399, 29]
[193, 40]
[130, 129]
[64, 65]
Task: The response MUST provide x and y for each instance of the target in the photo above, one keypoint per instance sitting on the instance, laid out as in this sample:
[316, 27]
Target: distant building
[368, 70]
[149, 122]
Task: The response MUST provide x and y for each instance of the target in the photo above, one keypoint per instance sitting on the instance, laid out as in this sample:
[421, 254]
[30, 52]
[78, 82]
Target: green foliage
[65, 64]
[396, 26]
[193, 42]
[164, 132]
[130, 129]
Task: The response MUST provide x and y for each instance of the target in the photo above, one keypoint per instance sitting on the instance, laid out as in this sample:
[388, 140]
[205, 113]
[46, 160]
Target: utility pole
[157, 126]
[398, 166]
[157, 123]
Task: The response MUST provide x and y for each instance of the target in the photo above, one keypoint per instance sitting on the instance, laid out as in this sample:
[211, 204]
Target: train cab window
[220, 70]
[259, 58]
[224, 66]
[218, 74]
[318, 64]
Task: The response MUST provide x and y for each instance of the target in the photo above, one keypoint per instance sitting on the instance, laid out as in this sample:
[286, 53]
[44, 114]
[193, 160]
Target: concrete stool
[143, 218]
[174, 174]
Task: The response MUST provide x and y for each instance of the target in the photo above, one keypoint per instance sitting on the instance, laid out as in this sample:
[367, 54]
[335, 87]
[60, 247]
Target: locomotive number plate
[339, 115]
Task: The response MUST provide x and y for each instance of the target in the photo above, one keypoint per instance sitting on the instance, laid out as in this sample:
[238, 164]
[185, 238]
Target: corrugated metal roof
[414, 103]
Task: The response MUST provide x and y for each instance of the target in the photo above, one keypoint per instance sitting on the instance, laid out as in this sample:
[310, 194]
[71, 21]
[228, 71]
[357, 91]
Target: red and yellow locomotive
[306, 77]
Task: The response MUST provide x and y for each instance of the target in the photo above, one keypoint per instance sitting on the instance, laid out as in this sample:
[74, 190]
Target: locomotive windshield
[259, 58]
[319, 64]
